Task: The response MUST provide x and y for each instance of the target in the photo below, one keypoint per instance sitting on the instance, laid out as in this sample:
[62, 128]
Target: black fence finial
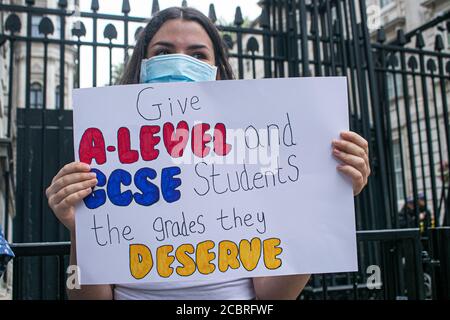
[264, 19]
[13, 23]
[401, 38]
[46, 26]
[155, 7]
[126, 7]
[79, 29]
[228, 41]
[252, 45]
[110, 32]
[184, 4]
[30, 2]
[420, 42]
[62, 4]
[381, 35]
[94, 5]
[212, 13]
[412, 63]
[238, 20]
[431, 65]
[393, 61]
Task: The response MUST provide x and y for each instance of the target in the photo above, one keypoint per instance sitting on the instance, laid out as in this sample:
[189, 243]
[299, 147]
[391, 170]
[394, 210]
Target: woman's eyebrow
[164, 43]
[171, 45]
[197, 46]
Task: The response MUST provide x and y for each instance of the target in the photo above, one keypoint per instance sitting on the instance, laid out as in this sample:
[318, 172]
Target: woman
[186, 46]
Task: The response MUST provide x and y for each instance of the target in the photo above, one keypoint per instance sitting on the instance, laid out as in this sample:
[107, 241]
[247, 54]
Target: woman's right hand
[72, 184]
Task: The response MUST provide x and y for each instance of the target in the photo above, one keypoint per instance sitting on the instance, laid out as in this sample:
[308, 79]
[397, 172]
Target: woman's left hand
[353, 151]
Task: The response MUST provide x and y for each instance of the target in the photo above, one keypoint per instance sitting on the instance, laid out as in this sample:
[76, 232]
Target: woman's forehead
[182, 34]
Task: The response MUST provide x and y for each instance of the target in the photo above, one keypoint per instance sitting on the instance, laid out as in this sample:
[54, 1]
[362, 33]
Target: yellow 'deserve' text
[202, 258]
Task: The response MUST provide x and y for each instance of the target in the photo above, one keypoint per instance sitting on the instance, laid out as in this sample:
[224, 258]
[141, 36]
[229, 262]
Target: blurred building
[409, 15]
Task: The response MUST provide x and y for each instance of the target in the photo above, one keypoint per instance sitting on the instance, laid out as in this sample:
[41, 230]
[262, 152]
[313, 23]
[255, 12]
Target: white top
[238, 289]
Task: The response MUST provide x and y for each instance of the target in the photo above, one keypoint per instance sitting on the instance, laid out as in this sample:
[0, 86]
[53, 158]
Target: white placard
[213, 180]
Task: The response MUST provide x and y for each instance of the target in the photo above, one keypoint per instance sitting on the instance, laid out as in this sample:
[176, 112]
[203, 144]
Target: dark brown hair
[132, 71]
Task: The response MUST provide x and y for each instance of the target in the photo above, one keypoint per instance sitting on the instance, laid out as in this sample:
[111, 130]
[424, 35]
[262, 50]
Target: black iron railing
[57, 251]
[396, 254]
[390, 267]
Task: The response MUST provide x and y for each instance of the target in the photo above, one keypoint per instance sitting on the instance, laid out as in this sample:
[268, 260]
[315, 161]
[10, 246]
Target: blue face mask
[176, 68]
